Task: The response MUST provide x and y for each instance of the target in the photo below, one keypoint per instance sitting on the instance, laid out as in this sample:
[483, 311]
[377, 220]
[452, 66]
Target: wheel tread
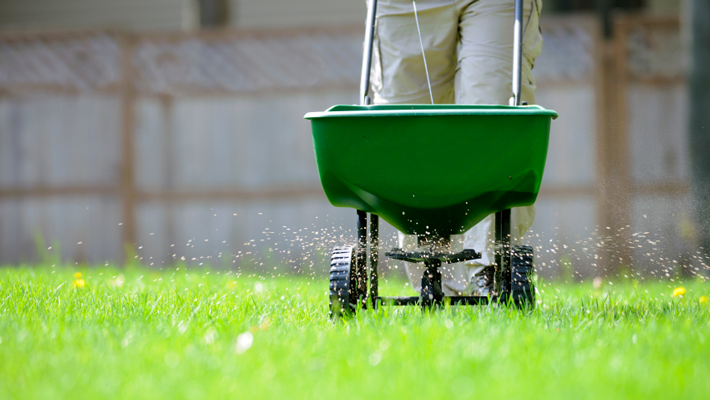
[342, 276]
[522, 268]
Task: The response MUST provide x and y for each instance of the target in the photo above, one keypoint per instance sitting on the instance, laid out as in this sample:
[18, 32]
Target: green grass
[141, 334]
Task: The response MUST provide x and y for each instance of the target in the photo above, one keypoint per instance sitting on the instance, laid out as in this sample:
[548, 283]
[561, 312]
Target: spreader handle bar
[517, 51]
[367, 54]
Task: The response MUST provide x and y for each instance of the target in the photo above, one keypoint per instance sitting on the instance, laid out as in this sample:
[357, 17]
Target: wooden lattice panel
[569, 50]
[653, 50]
[248, 64]
[80, 62]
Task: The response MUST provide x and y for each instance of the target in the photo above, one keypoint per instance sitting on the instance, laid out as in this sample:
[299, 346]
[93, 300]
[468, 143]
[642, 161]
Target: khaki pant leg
[485, 53]
[398, 73]
[484, 76]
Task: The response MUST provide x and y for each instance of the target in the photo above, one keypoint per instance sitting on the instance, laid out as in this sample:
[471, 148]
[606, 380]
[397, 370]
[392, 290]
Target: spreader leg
[432, 293]
[361, 255]
[502, 257]
[374, 255]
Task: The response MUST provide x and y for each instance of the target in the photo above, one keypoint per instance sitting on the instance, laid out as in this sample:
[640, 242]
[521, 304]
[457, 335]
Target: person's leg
[485, 52]
[484, 76]
[398, 74]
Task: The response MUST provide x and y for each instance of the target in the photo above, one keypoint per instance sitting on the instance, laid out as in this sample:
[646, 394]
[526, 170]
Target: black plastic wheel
[343, 282]
[522, 289]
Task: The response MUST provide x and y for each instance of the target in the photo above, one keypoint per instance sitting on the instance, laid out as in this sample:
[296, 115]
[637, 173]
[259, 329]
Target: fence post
[613, 166]
[699, 118]
[128, 190]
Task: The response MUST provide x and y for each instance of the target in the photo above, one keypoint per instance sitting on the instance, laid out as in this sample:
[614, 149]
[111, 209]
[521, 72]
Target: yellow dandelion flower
[79, 283]
[77, 275]
[679, 291]
[703, 300]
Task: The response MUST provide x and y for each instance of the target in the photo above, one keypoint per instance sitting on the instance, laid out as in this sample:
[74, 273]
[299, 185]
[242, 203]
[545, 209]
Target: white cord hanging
[421, 43]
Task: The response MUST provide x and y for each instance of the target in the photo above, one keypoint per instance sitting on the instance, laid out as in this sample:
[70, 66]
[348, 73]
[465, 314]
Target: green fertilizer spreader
[431, 171]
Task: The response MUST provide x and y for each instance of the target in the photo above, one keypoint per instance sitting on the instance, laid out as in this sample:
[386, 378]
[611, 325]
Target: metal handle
[517, 51]
[367, 54]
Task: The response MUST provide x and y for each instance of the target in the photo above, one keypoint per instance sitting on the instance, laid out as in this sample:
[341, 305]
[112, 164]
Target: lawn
[174, 334]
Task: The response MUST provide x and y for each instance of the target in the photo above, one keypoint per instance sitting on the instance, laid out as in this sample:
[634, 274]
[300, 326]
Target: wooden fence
[191, 145]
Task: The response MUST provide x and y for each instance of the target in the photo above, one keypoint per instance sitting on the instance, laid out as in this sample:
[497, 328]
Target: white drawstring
[426, 69]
